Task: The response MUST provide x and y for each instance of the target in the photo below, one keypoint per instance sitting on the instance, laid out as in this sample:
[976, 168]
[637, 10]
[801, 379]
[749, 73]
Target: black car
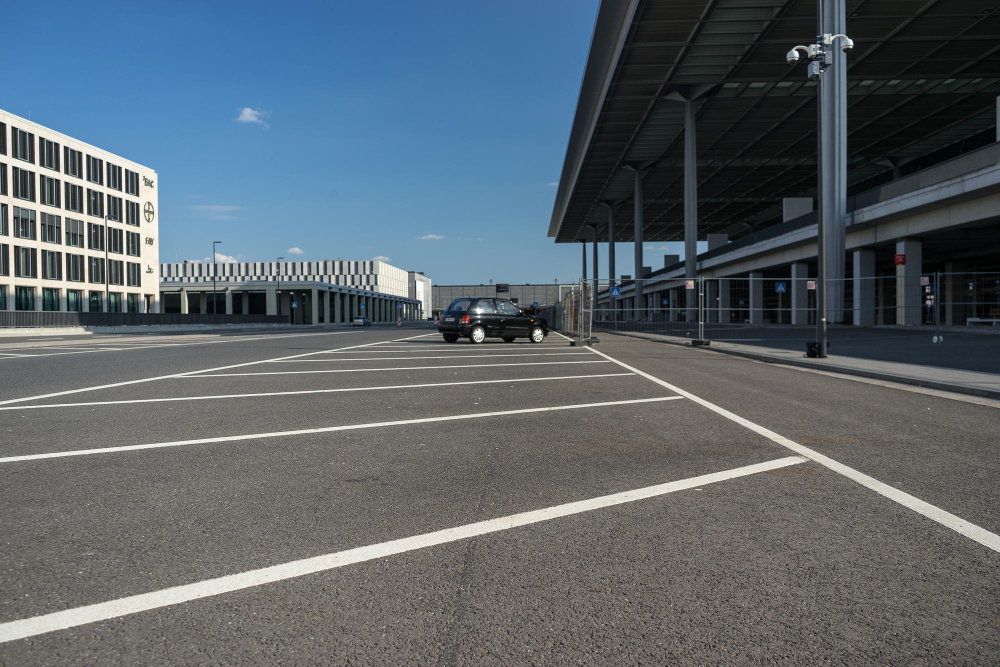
[479, 318]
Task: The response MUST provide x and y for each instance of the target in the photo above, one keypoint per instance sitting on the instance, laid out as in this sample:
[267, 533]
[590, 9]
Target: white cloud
[216, 211]
[431, 237]
[194, 196]
[220, 258]
[381, 258]
[552, 184]
[248, 115]
[296, 251]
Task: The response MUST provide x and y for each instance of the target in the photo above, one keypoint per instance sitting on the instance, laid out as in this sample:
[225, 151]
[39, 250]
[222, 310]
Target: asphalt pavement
[381, 496]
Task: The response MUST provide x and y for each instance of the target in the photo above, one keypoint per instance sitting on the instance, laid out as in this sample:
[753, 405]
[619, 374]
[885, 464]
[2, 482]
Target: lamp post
[278, 270]
[215, 302]
[820, 55]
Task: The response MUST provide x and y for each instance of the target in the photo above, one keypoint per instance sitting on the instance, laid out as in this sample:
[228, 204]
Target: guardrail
[41, 319]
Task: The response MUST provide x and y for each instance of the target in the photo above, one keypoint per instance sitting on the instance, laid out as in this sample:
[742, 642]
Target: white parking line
[932, 512]
[310, 391]
[449, 356]
[37, 397]
[327, 429]
[102, 611]
[370, 370]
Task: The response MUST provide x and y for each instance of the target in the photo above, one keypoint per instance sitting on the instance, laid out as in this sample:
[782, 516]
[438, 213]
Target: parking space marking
[329, 429]
[200, 341]
[310, 391]
[24, 399]
[372, 370]
[134, 604]
[450, 356]
[932, 512]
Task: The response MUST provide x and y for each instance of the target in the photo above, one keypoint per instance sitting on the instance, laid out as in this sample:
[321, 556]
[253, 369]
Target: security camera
[815, 70]
[846, 44]
[792, 56]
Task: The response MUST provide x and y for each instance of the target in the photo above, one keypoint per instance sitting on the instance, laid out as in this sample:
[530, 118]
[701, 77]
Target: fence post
[937, 305]
[701, 308]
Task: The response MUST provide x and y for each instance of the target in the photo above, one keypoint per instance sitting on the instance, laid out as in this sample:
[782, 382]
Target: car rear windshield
[459, 306]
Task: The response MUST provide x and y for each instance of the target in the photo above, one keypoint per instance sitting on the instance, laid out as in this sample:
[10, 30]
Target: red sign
[810, 284]
[688, 284]
[900, 260]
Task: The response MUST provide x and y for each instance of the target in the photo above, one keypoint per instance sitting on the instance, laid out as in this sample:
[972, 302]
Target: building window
[24, 223]
[114, 208]
[74, 268]
[74, 300]
[95, 203]
[24, 298]
[4, 260]
[22, 145]
[50, 299]
[133, 303]
[114, 177]
[3, 220]
[74, 233]
[132, 243]
[25, 262]
[116, 272]
[115, 302]
[96, 302]
[132, 182]
[95, 170]
[50, 190]
[51, 228]
[95, 236]
[51, 265]
[132, 213]
[3, 147]
[134, 274]
[73, 162]
[115, 240]
[74, 198]
[48, 153]
[95, 269]
[23, 183]
[3, 178]
[3, 292]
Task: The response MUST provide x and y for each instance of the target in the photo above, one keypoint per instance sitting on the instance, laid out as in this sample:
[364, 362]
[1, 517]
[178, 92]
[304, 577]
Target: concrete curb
[843, 370]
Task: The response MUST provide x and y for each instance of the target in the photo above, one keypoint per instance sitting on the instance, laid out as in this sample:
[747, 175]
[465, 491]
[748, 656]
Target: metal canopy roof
[923, 79]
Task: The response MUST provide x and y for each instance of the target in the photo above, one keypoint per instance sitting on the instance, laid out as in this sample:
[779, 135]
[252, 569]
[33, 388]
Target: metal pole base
[697, 342]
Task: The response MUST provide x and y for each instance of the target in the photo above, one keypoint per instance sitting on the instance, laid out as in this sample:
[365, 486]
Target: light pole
[215, 302]
[278, 270]
[820, 55]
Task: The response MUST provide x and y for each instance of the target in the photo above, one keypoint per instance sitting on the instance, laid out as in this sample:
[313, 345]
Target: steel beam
[833, 161]
[638, 240]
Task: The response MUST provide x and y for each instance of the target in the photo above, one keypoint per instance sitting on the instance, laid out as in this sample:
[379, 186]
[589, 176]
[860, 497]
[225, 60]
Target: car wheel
[450, 338]
[537, 335]
[477, 335]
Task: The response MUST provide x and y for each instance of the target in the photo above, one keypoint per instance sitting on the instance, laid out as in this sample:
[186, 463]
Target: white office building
[78, 225]
[325, 291]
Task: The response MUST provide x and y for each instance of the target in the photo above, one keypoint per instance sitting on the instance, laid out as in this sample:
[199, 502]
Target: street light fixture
[820, 57]
[215, 302]
[277, 269]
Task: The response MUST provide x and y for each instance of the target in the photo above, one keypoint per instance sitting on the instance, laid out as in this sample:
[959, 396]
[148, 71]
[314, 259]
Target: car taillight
[465, 319]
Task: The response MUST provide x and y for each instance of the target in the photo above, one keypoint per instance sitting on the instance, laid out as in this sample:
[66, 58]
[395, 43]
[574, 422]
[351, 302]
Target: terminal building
[78, 225]
[327, 291]
[693, 126]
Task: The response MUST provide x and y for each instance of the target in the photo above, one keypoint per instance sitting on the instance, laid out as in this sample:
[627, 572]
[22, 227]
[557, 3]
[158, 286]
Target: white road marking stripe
[400, 368]
[235, 339]
[932, 512]
[134, 604]
[24, 399]
[309, 391]
[8, 354]
[327, 429]
[449, 356]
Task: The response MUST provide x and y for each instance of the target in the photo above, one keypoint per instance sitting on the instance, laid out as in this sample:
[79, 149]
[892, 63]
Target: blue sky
[429, 132]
